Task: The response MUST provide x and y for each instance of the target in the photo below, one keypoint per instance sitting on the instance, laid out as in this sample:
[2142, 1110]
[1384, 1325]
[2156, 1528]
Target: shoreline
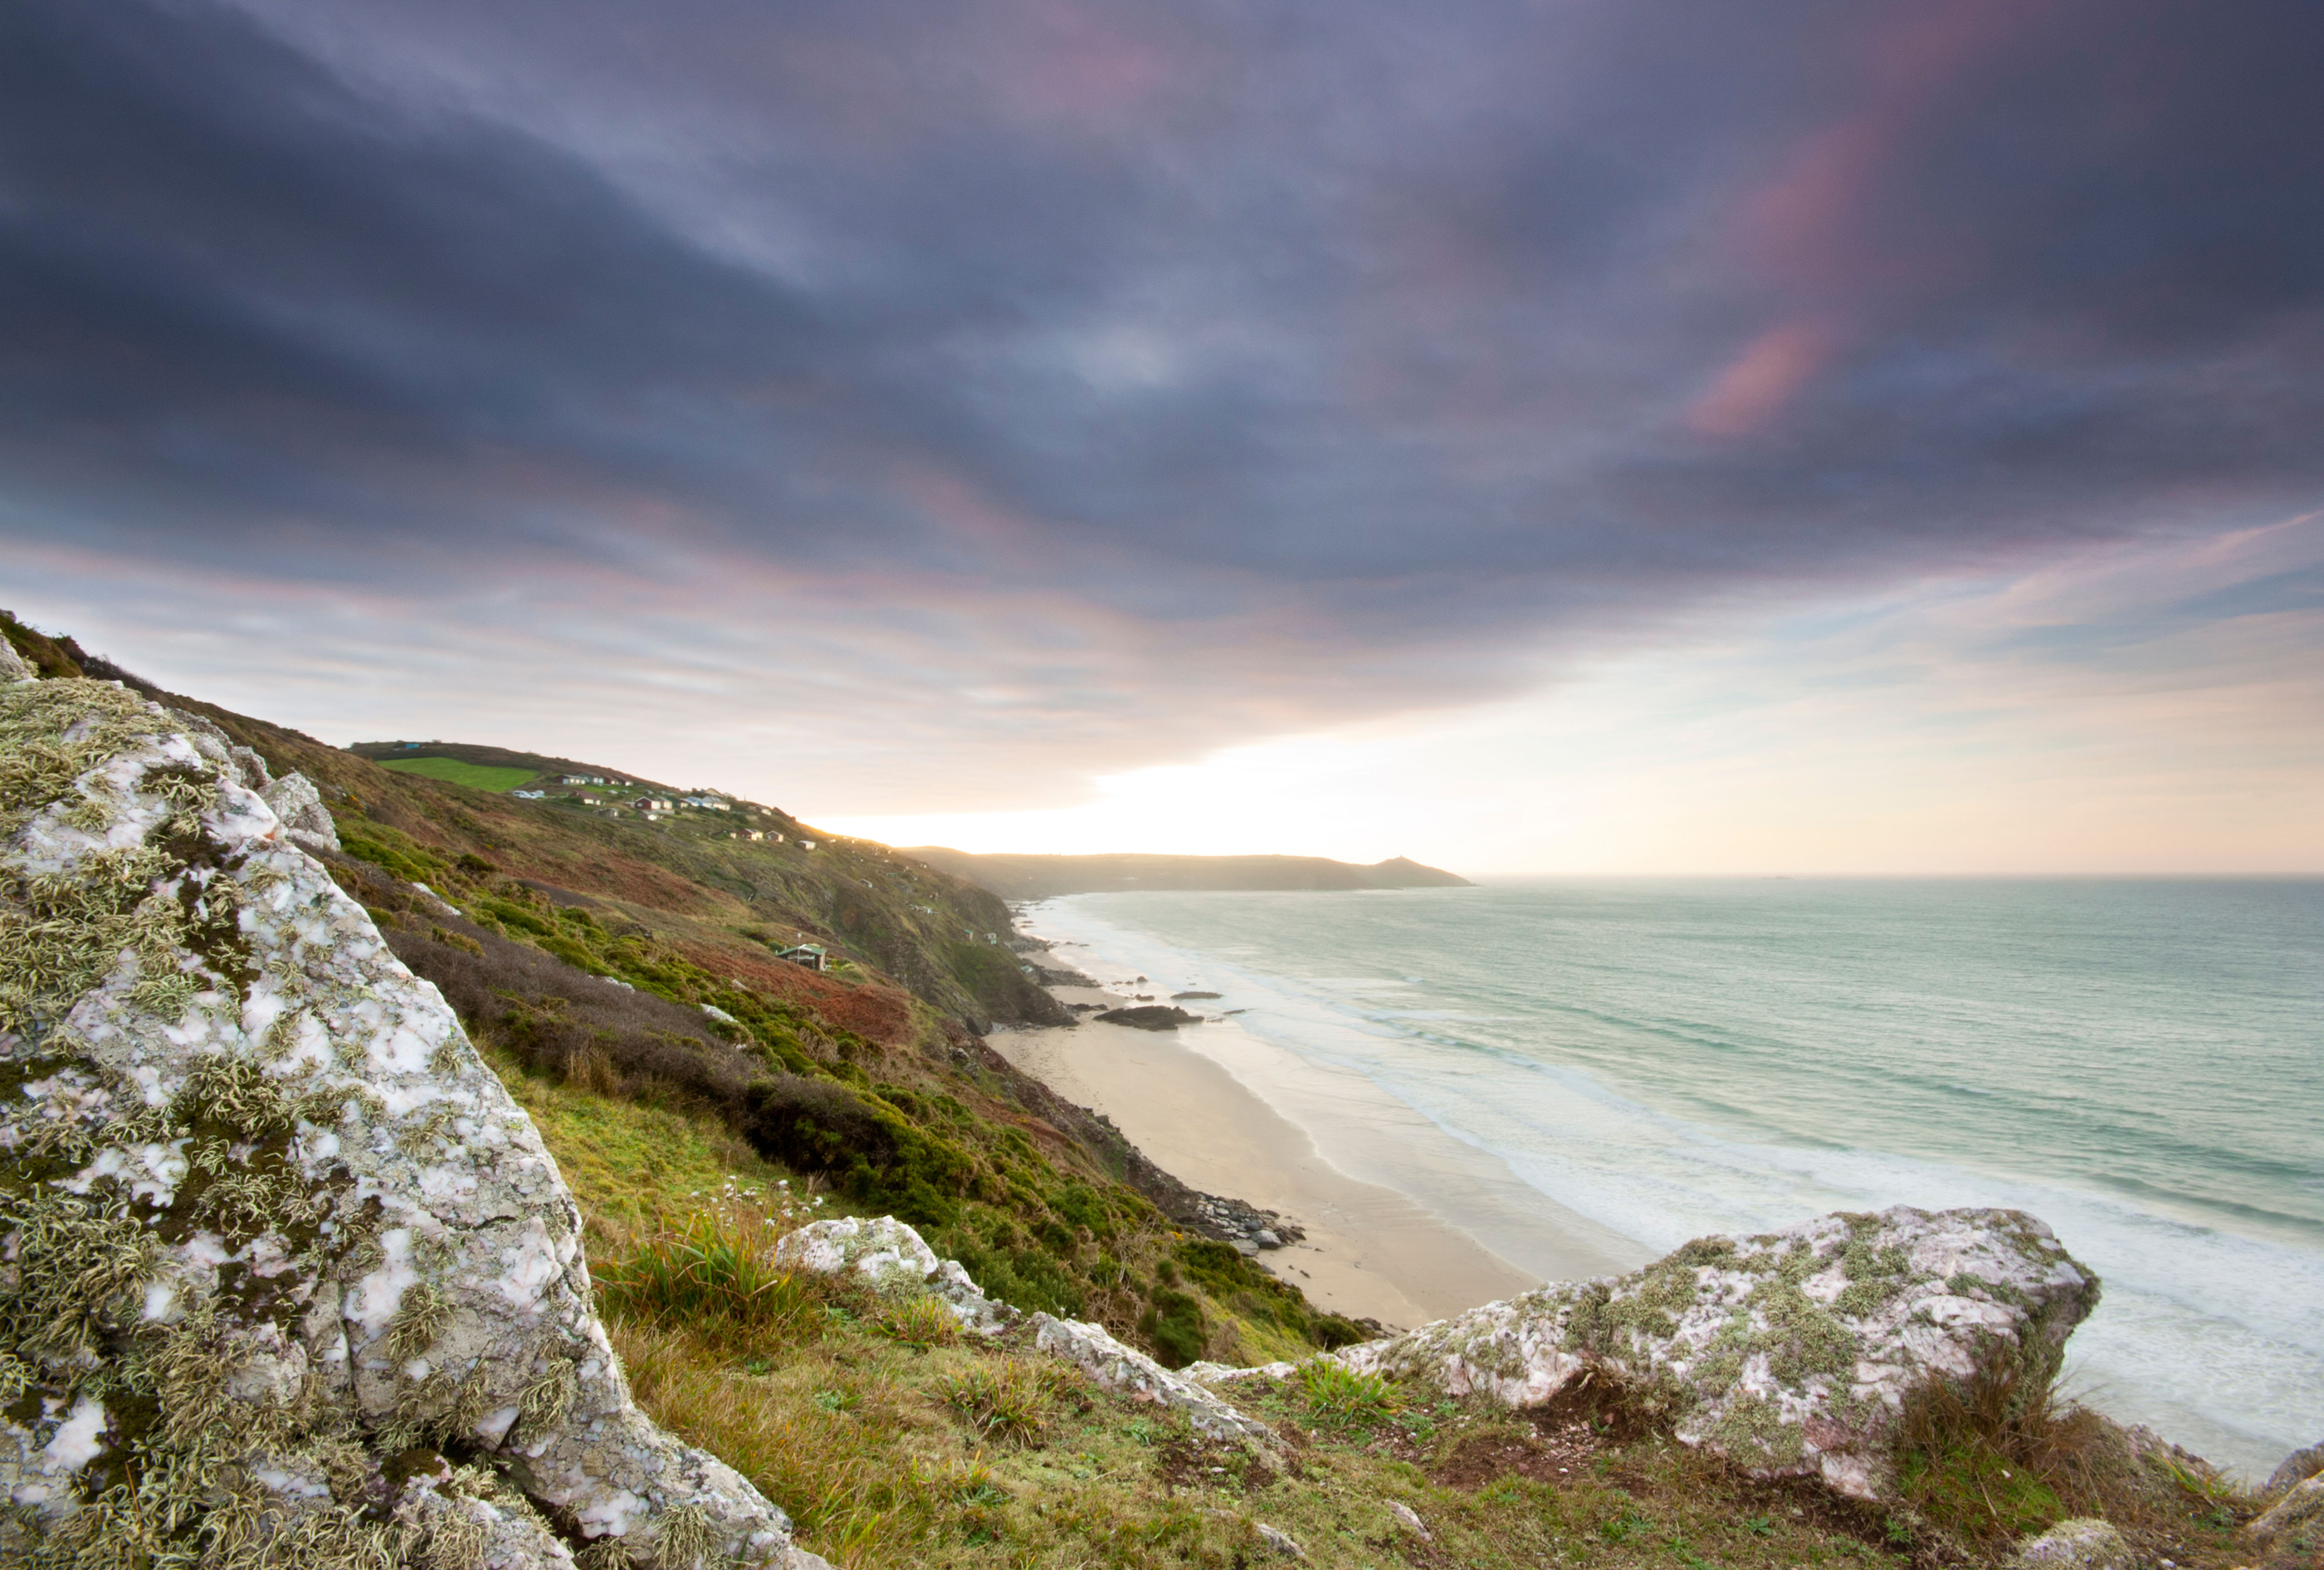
[1370, 1251]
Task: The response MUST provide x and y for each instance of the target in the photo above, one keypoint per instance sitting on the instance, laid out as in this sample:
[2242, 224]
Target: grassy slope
[892, 1448]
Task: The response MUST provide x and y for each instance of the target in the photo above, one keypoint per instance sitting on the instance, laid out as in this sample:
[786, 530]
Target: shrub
[1173, 1326]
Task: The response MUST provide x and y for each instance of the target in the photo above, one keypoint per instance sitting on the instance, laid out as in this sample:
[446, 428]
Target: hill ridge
[1031, 876]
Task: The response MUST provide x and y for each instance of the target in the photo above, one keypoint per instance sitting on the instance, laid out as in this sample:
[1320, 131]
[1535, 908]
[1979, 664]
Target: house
[807, 953]
[806, 844]
[756, 834]
[653, 804]
[582, 780]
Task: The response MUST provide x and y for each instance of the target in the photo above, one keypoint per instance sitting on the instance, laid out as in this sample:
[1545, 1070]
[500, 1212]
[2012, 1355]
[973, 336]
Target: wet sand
[1370, 1251]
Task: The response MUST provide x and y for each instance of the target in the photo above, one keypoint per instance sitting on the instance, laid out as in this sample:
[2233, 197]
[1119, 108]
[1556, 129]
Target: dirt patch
[1484, 1458]
[1181, 1460]
[1595, 1405]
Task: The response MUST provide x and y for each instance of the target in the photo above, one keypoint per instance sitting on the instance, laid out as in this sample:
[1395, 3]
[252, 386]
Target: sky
[1567, 435]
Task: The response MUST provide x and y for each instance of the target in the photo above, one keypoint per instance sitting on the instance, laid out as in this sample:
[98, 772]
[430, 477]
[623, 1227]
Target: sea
[2138, 1063]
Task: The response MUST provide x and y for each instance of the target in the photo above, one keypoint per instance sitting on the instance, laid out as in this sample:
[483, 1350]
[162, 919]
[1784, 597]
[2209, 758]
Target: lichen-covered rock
[2084, 1543]
[1113, 1366]
[276, 1248]
[298, 806]
[1219, 1373]
[2296, 1469]
[1791, 1353]
[2302, 1507]
[1281, 1541]
[895, 1262]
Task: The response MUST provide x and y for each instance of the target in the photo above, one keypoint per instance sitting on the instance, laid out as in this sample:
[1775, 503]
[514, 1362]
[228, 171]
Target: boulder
[1790, 1352]
[2302, 1507]
[2085, 1543]
[1113, 1366]
[2297, 1468]
[288, 1279]
[895, 1262]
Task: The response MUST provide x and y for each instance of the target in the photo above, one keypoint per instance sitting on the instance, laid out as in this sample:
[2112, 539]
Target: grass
[1342, 1398]
[893, 1448]
[635, 1168]
[476, 776]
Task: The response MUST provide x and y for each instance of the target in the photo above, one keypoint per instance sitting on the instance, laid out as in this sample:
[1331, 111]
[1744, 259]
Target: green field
[475, 775]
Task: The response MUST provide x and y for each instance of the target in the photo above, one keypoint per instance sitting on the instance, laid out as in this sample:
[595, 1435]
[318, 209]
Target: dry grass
[1982, 1466]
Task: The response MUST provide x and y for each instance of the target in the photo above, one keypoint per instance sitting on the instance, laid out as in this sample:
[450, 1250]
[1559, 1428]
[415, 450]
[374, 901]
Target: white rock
[1281, 1541]
[376, 1180]
[2084, 1543]
[1791, 1353]
[1410, 1517]
[894, 1260]
[1113, 1366]
[305, 818]
[13, 667]
[1219, 1373]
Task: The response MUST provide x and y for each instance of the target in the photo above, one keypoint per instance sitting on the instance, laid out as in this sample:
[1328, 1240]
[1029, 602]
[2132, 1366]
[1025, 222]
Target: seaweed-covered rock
[286, 1278]
[1791, 1353]
[1113, 1366]
[894, 1260]
[2084, 1543]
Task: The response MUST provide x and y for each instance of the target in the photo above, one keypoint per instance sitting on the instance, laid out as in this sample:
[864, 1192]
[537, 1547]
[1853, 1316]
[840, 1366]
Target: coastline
[1370, 1251]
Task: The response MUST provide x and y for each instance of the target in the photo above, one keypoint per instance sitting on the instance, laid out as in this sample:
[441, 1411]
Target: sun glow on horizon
[2006, 726]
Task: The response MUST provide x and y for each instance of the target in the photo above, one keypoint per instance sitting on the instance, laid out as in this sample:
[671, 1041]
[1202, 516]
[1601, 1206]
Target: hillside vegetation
[702, 1097]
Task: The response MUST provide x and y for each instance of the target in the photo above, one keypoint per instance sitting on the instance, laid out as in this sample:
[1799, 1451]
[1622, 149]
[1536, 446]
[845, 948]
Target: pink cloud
[1762, 381]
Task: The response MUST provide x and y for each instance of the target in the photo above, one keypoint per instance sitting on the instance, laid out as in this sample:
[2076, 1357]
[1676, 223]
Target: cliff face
[1036, 877]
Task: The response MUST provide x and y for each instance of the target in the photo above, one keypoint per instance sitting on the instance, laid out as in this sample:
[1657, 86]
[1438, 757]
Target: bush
[1173, 1325]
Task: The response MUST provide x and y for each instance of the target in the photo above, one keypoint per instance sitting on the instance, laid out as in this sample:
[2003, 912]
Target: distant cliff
[1029, 877]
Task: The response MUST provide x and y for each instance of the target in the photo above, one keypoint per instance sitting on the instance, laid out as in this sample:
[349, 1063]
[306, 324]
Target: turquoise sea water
[2139, 1063]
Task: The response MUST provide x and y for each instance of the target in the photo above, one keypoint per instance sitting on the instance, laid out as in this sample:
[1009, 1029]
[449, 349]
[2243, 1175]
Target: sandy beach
[1370, 1251]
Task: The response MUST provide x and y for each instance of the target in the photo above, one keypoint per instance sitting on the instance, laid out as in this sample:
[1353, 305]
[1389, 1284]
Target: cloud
[1156, 378]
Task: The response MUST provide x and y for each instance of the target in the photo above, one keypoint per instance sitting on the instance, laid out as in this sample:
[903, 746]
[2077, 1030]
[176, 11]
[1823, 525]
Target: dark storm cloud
[1435, 333]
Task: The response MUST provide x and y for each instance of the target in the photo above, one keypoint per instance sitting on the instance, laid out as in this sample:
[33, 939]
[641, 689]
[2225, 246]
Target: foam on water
[2141, 1065]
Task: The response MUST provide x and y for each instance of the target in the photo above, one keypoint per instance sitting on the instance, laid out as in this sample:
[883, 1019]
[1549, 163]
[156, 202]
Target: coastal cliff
[354, 1218]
